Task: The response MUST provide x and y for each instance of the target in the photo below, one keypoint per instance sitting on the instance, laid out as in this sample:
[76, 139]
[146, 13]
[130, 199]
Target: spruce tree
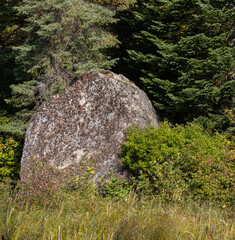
[10, 35]
[119, 5]
[180, 53]
[62, 39]
[10, 140]
[9, 25]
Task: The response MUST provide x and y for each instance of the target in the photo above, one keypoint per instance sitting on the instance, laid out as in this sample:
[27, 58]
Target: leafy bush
[115, 187]
[10, 152]
[179, 161]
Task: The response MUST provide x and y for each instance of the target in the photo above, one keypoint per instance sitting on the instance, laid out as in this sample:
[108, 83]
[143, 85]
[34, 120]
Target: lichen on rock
[90, 118]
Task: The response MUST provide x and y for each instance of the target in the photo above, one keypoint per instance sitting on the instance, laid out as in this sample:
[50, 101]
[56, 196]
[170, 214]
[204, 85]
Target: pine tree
[182, 57]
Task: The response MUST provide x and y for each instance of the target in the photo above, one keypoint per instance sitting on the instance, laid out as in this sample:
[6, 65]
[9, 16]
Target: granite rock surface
[90, 118]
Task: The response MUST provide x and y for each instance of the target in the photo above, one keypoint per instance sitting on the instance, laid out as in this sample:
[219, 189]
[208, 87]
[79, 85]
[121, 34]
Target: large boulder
[90, 118]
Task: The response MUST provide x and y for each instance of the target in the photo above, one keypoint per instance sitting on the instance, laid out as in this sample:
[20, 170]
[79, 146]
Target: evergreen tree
[10, 140]
[10, 35]
[119, 5]
[180, 53]
[8, 29]
[62, 39]
[64, 34]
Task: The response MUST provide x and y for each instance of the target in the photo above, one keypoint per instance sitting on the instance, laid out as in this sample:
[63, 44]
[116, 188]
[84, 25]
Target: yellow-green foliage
[97, 218]
[181, 161]
[9, 157]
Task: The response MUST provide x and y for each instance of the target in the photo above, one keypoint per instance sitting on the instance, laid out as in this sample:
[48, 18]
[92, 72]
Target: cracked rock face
[90, 117]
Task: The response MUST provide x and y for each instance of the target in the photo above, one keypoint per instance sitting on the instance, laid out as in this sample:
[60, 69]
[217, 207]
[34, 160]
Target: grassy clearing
[94, 217]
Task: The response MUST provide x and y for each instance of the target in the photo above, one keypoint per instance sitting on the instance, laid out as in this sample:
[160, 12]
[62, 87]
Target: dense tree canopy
[180, 52]
[9, 36]
[59, 40]
[63, 39]
[116, 4]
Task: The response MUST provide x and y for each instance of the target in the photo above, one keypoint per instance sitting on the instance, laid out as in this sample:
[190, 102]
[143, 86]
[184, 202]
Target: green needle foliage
[120, 5]
[63, 39]
[10, 144]
[64, 35]
[179, 51]
[9, 36]
[60, 40]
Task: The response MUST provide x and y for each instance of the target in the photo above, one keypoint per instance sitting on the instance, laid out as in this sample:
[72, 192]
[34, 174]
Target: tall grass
[94, 217]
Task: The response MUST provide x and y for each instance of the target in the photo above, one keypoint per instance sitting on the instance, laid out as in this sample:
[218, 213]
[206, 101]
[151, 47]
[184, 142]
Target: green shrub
[180, 161]
[115, 187]
[10, 152]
